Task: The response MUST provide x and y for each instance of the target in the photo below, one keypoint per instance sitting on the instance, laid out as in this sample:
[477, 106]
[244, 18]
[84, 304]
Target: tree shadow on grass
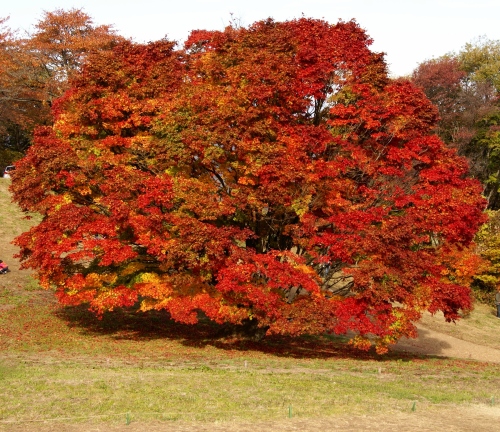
[131, 325]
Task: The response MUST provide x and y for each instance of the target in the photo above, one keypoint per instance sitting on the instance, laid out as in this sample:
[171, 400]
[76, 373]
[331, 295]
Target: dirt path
[431, 342]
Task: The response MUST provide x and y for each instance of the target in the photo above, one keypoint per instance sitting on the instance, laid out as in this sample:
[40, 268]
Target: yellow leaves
[153, 286]
[132, 268]
[142, 141]
[67, 198]
[150, 278]
[305, 269]
[488, 247]
[361, 342]
[203, 259]
[459, 265]
[240, 243]
[108, 278]
[301, 205]
[150, 304]
[100, 281]
[400, 319]
[63, 200]
[423, 298]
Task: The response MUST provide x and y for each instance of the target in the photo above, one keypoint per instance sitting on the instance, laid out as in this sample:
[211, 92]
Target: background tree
[60, 43]
[36, 70]
[11, 138]
[464, 87]
[487, 278]
[271, 175]
[480, 59]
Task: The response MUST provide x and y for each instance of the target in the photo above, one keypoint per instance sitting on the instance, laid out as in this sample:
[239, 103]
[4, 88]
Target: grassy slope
[62, 363]
[480, 327]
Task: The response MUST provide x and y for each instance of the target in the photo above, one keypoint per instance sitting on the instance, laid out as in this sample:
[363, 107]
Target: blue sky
[408, 31]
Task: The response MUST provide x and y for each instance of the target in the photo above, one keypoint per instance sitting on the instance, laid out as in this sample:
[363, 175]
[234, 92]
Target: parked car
[8, 170]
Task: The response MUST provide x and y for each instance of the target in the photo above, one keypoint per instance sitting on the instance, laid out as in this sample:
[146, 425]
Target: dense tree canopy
[271, 174]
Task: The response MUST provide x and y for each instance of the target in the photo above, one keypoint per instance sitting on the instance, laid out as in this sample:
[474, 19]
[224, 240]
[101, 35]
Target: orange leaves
[460, 265]
[107, 300]
[155, 290]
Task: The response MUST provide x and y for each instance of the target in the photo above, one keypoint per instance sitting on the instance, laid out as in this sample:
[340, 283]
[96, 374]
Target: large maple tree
[271, 174]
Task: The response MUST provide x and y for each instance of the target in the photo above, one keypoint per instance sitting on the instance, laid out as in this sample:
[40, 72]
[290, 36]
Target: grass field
[64, 366]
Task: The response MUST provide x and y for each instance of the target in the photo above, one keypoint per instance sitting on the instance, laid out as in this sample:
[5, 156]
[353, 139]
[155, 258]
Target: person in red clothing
[4, 268]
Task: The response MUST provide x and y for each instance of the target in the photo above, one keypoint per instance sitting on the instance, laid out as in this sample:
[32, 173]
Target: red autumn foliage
[468, 107]
[271, 173]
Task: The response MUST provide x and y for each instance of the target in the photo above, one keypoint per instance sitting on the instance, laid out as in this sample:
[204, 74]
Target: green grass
[12, 221]
[225, 391]
[65, 365]
[76, 366]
